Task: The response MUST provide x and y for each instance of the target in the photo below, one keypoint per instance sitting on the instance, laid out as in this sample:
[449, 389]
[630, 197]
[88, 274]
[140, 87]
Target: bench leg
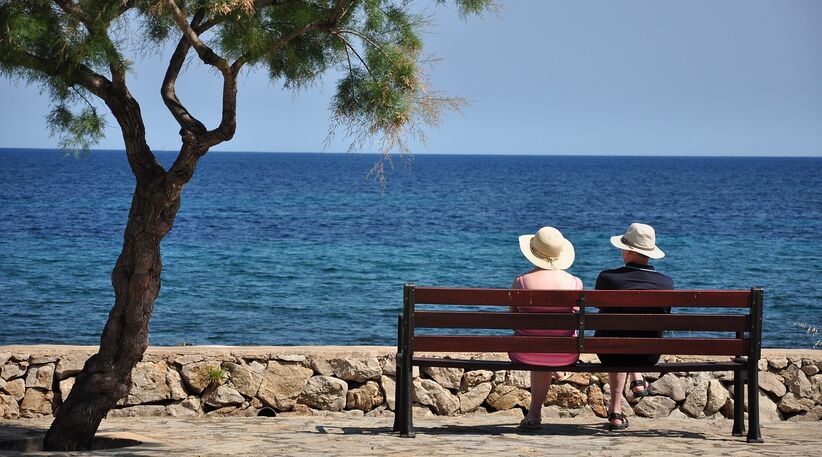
[398, 404]
[753, 403]
[739, 404]
[404, 409]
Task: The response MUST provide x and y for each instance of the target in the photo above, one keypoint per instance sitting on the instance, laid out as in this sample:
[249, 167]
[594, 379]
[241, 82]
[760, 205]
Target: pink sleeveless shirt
[552, 280]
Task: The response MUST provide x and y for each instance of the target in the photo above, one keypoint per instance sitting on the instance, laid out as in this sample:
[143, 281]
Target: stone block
[471, 399]
[40, 376]
[36, 403]
[450, 378]
[476, 377]
[357, 370]
[772, 383]
[566, 396]
[245, 380]
[324, 393]
[797, 382]
[222, 396]
[9, 409]
[16, 388]
[196, 374]
[669, 386]
[694, 405]
[389, 389]
[717, 397]
[654, 406]
[283, 382]
[430, 393]
[365, 398]
[70, 365]
[504, 397]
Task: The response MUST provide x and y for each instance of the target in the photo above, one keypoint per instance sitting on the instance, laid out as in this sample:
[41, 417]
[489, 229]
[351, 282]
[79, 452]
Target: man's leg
[637, 390]
[616, 381]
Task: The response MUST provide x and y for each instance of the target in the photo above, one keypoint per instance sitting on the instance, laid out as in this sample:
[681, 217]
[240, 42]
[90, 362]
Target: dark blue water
[302, 249]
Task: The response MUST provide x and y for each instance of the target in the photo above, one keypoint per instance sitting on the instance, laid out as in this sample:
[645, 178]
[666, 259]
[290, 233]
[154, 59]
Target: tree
[76, 50]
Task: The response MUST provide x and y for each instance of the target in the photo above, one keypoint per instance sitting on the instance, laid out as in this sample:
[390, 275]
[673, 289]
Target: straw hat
[547, 249]
[639, 238]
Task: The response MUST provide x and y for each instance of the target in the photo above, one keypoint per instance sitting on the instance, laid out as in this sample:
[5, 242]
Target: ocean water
[294, 249]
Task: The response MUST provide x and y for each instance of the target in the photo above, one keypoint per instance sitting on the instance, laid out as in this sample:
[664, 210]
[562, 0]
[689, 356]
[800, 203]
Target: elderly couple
[552, 254]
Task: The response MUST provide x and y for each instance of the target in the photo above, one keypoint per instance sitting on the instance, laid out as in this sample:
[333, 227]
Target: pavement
[436, 436]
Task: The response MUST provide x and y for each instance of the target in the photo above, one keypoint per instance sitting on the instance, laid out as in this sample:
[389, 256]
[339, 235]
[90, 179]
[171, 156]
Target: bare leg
[617, 383]
[636, 377]
[540, 383]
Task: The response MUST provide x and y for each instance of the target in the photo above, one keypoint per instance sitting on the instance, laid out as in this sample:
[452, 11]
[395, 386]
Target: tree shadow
[23, 438]
[13, 429]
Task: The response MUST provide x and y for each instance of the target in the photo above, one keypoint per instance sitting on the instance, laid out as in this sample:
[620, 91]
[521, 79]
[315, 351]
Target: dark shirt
[633, 276]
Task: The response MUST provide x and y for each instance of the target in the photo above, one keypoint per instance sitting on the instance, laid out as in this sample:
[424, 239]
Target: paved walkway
[480, 435]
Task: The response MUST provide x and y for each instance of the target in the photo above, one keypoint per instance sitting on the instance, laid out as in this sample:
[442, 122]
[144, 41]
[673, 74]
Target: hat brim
[655, 254]
[565, 260]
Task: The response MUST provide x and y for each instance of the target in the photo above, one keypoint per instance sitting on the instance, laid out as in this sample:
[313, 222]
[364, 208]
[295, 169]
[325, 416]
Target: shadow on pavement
[547, 429]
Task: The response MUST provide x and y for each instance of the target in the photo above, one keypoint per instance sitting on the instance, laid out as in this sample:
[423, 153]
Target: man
[638, 245]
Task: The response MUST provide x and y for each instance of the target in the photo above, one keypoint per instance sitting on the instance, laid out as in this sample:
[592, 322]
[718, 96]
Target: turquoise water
[303, 249]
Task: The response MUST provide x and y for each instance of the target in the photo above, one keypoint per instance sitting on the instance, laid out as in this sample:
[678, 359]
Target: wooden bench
[737, 335]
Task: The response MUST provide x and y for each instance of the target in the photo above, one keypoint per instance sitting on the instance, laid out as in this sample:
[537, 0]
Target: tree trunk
[106, 376]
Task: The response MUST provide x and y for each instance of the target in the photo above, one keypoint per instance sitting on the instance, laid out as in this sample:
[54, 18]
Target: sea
[308, 249]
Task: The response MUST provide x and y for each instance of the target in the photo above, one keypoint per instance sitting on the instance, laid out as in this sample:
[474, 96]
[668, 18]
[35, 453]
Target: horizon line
[519, 154]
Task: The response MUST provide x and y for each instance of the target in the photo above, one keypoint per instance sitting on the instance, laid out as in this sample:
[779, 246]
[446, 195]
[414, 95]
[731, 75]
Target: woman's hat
[639, 238]
[547, 249]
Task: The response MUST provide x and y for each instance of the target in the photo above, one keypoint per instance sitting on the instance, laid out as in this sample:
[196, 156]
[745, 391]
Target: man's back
[633, 276]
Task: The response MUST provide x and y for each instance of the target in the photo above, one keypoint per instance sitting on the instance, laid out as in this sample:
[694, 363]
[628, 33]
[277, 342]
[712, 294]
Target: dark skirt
[615, 360]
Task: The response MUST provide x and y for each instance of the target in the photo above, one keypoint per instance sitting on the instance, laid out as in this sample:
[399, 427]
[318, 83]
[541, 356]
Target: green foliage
[384, 94]
[217, 375]
[77, 132]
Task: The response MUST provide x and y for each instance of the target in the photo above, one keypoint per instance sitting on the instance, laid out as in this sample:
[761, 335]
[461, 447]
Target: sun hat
[547, 249]
[639, 238]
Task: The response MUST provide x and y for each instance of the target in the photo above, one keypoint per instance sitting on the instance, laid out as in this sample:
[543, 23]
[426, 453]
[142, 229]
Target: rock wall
[215, 381]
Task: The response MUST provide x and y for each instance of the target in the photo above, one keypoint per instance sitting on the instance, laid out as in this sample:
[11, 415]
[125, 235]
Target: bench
[461, 311]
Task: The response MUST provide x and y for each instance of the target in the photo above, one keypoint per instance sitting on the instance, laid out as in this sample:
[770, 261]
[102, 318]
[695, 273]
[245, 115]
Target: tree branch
[167, 90]
[207, 55]
[115, 61]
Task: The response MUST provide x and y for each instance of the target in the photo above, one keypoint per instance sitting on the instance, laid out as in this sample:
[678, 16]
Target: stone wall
[245, 381]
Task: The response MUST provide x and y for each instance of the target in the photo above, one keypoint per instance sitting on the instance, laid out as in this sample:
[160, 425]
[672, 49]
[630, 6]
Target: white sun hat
[547, 249]
[639, 238]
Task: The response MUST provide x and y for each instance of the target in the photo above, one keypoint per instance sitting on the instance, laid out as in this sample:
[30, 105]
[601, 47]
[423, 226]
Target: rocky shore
[359, 381]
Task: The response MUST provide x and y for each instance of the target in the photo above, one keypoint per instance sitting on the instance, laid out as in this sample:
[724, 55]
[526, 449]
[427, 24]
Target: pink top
[551, 280]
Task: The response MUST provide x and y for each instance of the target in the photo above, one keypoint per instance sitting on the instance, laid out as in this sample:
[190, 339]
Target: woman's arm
[514, 285]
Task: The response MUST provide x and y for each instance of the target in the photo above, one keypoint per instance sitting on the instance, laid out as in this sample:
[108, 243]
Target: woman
[551, 254]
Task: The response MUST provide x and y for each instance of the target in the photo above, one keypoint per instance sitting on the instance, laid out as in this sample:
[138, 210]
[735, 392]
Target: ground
[480, 435]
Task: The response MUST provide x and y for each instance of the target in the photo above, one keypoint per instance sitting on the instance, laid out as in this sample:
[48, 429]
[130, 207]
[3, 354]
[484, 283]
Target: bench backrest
[744, 325]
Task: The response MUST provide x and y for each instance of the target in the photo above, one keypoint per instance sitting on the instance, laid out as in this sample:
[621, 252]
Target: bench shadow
[511, 429]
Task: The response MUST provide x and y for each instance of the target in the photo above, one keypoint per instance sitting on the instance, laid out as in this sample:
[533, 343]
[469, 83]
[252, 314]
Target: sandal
[639, 393]
[617, 416]
[530, 424]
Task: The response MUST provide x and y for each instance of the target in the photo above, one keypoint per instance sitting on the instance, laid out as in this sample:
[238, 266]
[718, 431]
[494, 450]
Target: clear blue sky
[698, 77]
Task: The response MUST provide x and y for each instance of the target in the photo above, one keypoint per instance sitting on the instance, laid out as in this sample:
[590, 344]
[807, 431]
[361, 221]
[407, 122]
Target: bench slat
[561, 321]
[602, 345]
[593, 298]
[495, 365]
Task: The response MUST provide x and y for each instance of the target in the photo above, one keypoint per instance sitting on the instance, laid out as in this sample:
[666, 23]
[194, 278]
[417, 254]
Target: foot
[560, 376]
[638, 388]
[530, 423]
[617, 421]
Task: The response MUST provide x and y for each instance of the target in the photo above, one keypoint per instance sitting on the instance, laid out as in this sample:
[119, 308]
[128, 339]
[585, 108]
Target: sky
[698, 77]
